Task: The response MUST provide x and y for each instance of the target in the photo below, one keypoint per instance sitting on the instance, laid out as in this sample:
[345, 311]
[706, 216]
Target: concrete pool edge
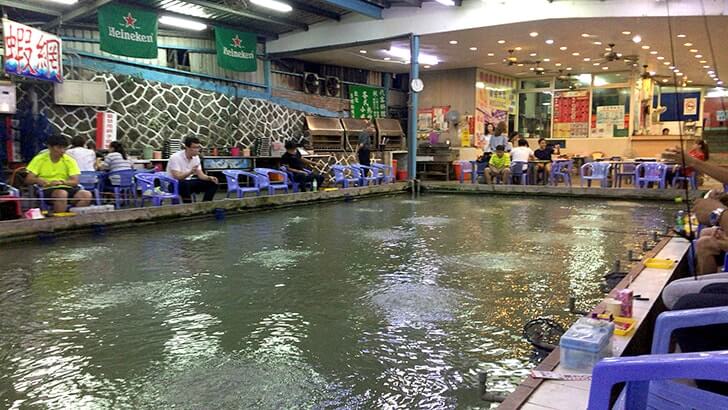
[22, 229]
[560, 191]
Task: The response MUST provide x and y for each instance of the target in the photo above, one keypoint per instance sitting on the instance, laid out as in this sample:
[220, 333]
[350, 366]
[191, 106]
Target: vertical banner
[128, 31]
[106, 122]
[367, 102]
[236, 50]
[571, 114]
[31, 53]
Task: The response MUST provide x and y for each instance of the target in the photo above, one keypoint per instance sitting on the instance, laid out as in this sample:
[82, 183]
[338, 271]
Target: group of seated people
[503, 154]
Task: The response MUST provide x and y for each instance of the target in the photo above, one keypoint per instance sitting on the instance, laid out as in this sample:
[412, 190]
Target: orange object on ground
[401, 175]
[394, 169]
[458, 169]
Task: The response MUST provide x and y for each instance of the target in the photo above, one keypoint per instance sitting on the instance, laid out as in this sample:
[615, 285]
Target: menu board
[571, 114]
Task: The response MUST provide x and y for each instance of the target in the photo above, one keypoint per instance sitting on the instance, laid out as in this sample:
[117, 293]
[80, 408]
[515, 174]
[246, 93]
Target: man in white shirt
[186, 163]
[85, 158]
[522, 153]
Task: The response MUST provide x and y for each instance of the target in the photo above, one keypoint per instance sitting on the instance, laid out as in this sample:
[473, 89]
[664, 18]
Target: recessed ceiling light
[653, 52]
[706, 66]
[645, 47]
[533, 34]
[660, 58]
[720, 82]
[585, 35]
[626, 33]
[597, 43]
[533, 54]
[558, 64]
[501, 41]
[693, 50]
[637, 39]
[688, 44]
[698, 56]
[568, 68]
[563, 48]
[428, 66]
[546, 60]
[605, 68]
[549, 41]
[491, 54]
[597, 64]
[575, 53]
[681, 36]
[520, 65]
[587, 59]
[703, 61]
[671, 67]
[690, 81]
[473, 48]
[531, 68]
[453, 42]
[665, 80]
[653, 72]
[518, 48]
[666, 63]
[363, 51]
[711, 72]
[387, 58]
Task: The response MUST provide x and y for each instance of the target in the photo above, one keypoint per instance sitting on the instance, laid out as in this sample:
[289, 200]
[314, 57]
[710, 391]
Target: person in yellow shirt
[499, 166]
[57, 173]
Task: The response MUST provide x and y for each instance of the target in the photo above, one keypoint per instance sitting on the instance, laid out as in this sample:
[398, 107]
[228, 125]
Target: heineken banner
[32, 53]
[236, 50]
[128, 31]
[367, 102]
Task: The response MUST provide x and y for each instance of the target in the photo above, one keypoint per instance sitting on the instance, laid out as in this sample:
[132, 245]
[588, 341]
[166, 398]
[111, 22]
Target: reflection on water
[368, 304]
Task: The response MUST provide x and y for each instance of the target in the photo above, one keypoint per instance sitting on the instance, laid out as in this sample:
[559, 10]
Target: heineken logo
[237, 53]
[129, 21]
[128, 31]
[235, 50]
[236, 41]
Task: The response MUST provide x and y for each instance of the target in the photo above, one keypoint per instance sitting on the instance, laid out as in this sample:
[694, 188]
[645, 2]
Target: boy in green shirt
[499, 166]
[57, 173]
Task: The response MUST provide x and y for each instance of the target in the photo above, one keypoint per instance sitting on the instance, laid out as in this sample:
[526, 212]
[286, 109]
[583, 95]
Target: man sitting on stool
[186, 163]
[499, 166]
[296, 164]
[57, 173]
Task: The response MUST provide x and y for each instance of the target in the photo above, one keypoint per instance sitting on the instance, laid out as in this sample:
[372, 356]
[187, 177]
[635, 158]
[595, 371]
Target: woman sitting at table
[116, 159]
[544, 153]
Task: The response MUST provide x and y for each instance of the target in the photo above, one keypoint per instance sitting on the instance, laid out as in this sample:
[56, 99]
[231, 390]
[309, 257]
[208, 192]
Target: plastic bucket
[234, 151]
[147, 152]
[276, 178]
[394, 169]
[401, 175]
[458, 168]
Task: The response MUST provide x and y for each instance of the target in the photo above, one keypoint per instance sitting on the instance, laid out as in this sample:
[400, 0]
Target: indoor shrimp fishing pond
[387, 302]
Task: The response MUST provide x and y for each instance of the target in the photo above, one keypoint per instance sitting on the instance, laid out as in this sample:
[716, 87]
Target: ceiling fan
[613, 55]
[646, 74]
[512, 60]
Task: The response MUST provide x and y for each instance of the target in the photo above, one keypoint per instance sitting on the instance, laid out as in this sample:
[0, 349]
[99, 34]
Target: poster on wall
[236, 50]
[32, 53]
[424, 119]
[106, 124]
[494, 100]
[127, 31]
[690, 106]
[367, 102]
[571, 114]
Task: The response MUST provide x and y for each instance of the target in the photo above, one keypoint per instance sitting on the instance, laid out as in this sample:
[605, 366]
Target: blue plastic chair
[649, 376]
[647, 172]
[362, 172]
[624, 171]
[42, 203]
[158, 187]
[385, 173]
[561, 170]
[478, 170]
[517, 172]
[265, 181]
[340, 176]
[296, 186]
[233, 183]
[12, 191]
[466, 167]
[122, 184]
[681, 177]
[91, 181]
[595, 171]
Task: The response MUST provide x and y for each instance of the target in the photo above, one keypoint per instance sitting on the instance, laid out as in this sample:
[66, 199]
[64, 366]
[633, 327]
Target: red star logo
[236, 41]
[129, 20]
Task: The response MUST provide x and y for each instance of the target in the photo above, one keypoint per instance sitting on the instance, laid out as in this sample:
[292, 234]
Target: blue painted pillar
[266, 77]
[413, 106]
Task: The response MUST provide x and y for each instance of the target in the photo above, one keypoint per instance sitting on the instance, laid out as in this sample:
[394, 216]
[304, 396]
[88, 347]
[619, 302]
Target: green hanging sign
[236, 50]
[367, 102]
[128, 31]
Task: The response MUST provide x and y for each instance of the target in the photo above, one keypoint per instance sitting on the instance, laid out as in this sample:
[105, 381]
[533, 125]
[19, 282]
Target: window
[601, 80]
[534, 114]
[536, 83]
[573, 81]
[610, 112]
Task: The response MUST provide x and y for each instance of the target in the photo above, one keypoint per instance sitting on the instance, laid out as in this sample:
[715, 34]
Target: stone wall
[152, 112]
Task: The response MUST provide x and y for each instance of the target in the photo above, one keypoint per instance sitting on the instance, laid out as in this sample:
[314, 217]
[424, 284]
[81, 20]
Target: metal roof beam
[248, 14]
[78, 12]
[305, 7]
[21, 5]
[358, 6]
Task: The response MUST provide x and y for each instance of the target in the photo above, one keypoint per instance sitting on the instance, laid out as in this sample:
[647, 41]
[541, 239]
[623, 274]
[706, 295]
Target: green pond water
[380, 303]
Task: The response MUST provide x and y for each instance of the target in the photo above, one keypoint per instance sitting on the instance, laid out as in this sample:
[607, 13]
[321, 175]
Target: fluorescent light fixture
[717, 92]
[446, 2]
[182, 23]
[405, 53]
[363, 51]
[64, 1]
[273, 5]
